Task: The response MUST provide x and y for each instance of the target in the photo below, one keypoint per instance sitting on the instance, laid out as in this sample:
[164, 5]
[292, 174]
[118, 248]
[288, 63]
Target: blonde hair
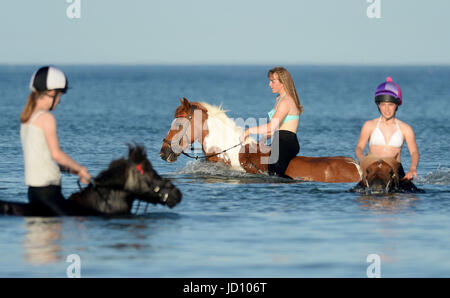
[29, 106]
[285, 78]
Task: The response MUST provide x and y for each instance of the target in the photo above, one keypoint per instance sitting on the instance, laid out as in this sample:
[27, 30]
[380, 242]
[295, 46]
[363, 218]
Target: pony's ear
[136, 153]
[186, 103]
[181, 102]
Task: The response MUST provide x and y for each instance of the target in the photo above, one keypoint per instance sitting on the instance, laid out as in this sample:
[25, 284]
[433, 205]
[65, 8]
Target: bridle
[95, 186]
[392, 177]
[189, 117]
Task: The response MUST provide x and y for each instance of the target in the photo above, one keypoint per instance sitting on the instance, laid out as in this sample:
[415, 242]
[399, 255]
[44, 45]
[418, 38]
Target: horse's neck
[221, 137]
[103, 200]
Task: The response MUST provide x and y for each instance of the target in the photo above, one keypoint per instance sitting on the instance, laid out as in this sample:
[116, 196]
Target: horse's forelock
[137, 153]
[179, 111]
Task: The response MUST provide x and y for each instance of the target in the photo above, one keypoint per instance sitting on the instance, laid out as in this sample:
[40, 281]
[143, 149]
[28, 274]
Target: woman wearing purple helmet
[386, 134]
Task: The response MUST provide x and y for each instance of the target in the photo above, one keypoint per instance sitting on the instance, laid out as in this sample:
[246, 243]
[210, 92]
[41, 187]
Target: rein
[94, 187]
[210, 155]
[253, 165]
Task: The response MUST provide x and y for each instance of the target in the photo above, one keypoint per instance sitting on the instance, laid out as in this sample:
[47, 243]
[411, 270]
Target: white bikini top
[40, 168]
[377, 138]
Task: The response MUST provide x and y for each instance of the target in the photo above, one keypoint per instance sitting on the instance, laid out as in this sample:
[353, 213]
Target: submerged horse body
[218, 135]
[112, 192]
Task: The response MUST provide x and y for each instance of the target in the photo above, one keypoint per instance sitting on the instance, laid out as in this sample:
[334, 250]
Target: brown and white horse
[219, 136]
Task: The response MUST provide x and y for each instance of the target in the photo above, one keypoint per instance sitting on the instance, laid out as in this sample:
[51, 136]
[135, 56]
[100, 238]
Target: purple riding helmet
[388, 92]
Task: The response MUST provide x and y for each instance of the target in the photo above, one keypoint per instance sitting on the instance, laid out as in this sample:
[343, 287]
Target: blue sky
[225, 32]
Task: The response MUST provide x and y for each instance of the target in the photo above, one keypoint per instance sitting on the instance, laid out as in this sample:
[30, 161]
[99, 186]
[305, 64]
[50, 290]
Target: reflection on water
[391, 203]
[40, 242]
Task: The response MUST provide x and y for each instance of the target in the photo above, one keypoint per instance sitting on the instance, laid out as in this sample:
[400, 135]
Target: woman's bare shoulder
[45, 120]
[369, 124]
[404, 127]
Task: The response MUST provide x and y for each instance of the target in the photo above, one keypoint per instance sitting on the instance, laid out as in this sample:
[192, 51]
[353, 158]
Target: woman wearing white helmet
[40, 144]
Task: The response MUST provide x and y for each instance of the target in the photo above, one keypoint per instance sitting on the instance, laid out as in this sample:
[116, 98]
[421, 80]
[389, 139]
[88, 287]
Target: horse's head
[186, 128]
[137, 176]
[380, 175]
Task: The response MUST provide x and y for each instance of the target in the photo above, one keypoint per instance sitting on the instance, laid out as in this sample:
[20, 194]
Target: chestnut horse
[380, 175]
[112, 192]
[219, 136]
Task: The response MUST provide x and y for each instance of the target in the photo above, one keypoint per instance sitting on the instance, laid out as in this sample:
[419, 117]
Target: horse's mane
[218, 113]
[115, 175]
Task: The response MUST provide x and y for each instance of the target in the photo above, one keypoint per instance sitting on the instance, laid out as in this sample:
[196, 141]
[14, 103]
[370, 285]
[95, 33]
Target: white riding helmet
[49, 78]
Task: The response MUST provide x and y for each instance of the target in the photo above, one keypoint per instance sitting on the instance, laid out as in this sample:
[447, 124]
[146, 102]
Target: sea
[230, 224]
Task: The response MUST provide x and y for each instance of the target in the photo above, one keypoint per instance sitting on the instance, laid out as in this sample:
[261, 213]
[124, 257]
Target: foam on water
[440, 176]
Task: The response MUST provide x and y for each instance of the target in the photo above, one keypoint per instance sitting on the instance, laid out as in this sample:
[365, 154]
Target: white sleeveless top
[40, 168]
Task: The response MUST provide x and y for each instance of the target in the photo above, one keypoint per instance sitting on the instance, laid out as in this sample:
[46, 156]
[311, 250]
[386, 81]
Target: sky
[408, 32]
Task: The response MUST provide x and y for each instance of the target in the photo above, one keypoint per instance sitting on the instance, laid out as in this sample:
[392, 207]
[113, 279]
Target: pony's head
[380, 175]
[187, 127]
[137, 176]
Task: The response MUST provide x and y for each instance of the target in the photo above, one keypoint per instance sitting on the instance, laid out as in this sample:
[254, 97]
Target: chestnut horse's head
[380, 175]
[186, 128]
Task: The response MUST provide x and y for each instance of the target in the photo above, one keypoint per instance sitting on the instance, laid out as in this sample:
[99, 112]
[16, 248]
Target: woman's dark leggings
[283, 149]
[47, 200]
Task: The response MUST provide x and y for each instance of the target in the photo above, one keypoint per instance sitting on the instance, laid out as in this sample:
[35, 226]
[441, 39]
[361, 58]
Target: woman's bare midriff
[386, 151]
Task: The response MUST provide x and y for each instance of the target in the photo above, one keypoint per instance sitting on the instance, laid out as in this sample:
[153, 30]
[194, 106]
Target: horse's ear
[180, 101]
[186, 102]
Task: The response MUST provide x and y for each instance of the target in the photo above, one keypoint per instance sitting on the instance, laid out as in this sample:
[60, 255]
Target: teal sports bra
[287, 117]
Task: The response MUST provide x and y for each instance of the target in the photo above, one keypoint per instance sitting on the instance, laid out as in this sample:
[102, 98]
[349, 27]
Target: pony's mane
[220, 114]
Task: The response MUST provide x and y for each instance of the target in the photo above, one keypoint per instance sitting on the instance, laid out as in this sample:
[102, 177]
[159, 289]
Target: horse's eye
[367, 171]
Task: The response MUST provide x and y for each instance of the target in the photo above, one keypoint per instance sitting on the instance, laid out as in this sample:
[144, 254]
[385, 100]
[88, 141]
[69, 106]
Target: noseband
[393, 176]
[189, 117]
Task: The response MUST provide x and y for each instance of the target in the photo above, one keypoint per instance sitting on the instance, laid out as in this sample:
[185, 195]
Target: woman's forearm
[64, 160]
[414, 161]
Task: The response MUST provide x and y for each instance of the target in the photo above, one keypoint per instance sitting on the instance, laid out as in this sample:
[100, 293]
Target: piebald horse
[219, 136]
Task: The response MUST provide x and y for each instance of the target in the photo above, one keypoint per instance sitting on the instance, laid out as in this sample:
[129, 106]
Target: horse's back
[333, 169]
[13, 208]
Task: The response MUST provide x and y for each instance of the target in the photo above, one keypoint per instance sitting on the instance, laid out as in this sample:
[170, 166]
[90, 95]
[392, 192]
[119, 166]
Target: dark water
[232, 224]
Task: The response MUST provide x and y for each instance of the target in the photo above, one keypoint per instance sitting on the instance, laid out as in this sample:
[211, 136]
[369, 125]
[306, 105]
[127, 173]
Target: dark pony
[112, 192]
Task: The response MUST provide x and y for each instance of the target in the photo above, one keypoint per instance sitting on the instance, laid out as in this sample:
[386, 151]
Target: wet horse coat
[210, 126]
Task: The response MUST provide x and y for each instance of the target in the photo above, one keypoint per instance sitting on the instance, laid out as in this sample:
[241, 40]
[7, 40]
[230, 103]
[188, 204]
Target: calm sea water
[231, 224]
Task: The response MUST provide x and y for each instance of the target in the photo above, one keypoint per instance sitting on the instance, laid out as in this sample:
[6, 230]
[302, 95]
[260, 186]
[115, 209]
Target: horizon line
[236, 64]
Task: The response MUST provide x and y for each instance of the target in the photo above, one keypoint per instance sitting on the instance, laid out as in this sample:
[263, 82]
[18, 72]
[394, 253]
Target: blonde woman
[283, 122]
[40, 144]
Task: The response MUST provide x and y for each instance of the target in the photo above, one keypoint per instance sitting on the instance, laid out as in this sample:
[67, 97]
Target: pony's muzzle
[169, 194]
[167, 154]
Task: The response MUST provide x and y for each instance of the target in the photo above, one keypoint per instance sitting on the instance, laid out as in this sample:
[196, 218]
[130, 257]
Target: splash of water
[440, 176]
